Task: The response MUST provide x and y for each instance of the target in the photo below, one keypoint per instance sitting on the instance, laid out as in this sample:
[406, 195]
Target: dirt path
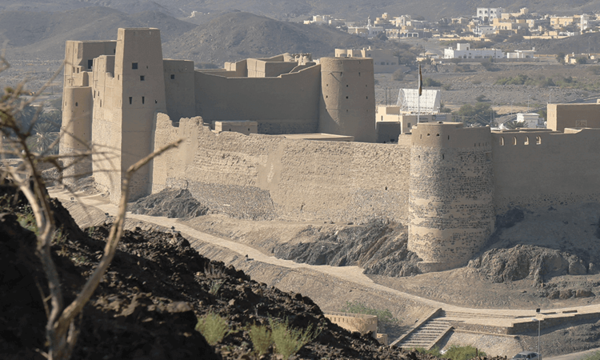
[348, 273]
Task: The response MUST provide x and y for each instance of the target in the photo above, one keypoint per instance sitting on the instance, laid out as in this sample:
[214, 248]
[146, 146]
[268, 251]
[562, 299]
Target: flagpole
[418, 108]
[419, 93]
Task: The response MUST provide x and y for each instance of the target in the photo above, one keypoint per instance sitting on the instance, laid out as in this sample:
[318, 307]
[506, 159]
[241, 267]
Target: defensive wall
[538, 168]
[446, 182]
[287, 178]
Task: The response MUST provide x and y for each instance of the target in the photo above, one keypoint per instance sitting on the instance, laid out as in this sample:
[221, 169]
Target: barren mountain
[301, 9]
[238, 35]
[43, 35]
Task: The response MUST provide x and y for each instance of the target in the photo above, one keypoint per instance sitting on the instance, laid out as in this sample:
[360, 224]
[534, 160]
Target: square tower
[127, 95]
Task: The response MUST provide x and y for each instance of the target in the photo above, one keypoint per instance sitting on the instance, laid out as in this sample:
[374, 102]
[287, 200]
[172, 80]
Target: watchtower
[451, 211]
[347, 105]
[128, 90]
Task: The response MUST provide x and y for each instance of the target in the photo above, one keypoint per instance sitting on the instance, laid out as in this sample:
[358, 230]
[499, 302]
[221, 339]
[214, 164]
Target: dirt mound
[522, 261]
[378, 246]
[169, 203]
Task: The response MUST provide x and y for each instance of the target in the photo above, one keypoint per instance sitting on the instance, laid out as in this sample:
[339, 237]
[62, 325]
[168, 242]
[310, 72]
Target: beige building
[561, 21]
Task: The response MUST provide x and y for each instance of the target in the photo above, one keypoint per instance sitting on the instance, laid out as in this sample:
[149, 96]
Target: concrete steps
[426, 335]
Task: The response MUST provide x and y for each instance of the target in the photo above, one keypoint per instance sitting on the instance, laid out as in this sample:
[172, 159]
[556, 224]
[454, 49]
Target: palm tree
[44, 140]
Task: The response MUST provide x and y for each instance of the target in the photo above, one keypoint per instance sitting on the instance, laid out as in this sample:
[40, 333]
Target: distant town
[486, 25]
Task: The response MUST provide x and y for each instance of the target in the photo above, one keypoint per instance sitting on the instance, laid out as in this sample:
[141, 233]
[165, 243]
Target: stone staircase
[426, 335]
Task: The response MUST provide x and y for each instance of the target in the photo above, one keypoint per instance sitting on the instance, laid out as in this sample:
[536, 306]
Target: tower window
[90, 63]
[172, 76]
[130, 100]
[143, 100]
[76, 104]
[134, 66]
[142, 78]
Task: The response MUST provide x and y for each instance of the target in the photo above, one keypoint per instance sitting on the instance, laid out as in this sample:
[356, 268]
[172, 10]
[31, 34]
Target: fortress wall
[562, 169]
[285, 104]
[451, 194]
[561, 116]
[278, 177]
[179, 88]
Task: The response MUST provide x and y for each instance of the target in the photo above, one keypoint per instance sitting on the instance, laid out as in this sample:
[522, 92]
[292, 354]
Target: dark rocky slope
[147, 304]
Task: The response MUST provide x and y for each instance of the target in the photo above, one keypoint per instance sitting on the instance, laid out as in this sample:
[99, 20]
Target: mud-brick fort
[289, 138]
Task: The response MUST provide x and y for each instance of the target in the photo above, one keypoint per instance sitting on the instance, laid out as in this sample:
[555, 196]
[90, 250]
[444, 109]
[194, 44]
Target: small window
[130, 100]
[526, 140]
[346, 97]
[538, 140]
[76, 104]
[515, 140]
[172, 76]
[90, 64]
[501, 141]
[134, 66]
[143, 100]
[142, 78]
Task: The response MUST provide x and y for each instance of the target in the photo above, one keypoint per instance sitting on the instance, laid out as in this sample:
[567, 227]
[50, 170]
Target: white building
[521, 54]
[464, 51]
[489, 13]
[530, 120]
[584, 22]
[319, 19]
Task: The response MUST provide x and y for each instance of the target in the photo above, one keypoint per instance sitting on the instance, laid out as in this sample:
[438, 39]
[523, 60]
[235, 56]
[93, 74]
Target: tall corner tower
[140, 94]
[451, 210]
[76, 132]
[347, 105]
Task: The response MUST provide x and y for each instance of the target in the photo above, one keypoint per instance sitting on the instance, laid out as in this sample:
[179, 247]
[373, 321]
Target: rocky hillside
[32, 34]
[148, 303]
[301, 9]
[238, 35]
[229, 37]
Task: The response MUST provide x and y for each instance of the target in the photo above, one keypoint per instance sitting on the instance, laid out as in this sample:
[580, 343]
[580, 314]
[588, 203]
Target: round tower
[451, 210]
[347, 105]
[76, 132]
